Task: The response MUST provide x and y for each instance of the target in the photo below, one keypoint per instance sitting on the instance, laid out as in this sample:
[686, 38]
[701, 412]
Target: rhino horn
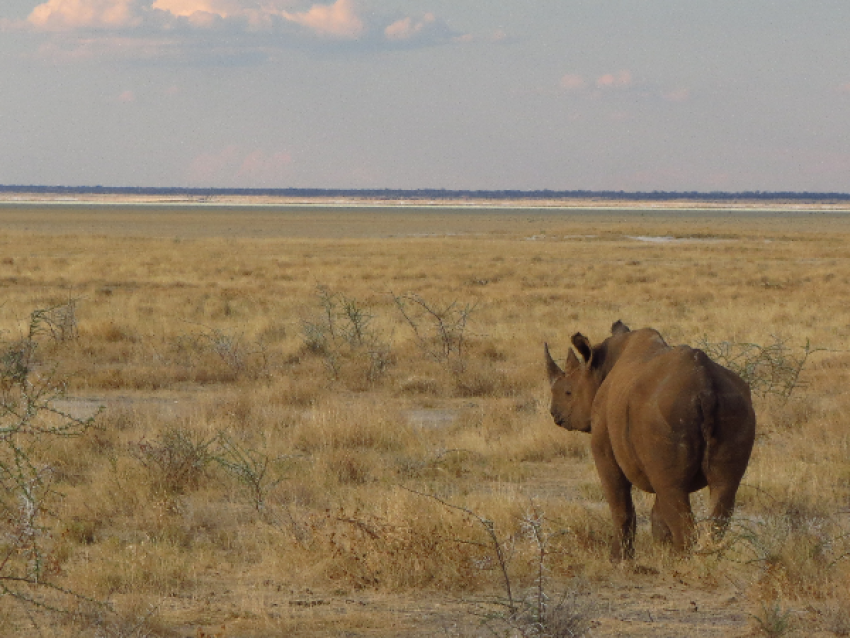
[552, 368]
[619, 328]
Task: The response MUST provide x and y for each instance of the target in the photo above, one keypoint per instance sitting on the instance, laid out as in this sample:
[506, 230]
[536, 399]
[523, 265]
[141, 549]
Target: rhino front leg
[618, 493]
[625, 525]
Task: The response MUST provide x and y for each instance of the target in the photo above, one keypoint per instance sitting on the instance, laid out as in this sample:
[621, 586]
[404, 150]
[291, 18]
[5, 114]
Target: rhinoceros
[666, 419]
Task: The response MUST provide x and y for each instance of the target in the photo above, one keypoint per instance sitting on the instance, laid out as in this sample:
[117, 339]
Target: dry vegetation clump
[298, 435]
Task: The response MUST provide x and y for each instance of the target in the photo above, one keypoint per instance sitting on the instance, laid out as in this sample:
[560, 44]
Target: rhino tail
[706, 405]
[708, 422]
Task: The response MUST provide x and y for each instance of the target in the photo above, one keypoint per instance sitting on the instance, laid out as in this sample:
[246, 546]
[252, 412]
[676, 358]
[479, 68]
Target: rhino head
[574, 387]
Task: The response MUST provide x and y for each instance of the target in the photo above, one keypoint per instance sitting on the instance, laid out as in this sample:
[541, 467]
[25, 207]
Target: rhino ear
[619, 328]
[582, 345]
[552, 368]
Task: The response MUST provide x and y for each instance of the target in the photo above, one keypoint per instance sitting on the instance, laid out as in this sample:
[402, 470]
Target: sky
[634, 95]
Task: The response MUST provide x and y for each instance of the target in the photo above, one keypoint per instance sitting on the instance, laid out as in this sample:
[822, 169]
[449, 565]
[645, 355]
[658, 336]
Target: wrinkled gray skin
[665, 419]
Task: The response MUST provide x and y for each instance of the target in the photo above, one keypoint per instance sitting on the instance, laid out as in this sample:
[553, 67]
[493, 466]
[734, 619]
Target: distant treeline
[430, 193]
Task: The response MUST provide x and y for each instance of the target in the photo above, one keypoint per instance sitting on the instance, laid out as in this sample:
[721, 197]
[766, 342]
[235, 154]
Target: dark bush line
[435, 193]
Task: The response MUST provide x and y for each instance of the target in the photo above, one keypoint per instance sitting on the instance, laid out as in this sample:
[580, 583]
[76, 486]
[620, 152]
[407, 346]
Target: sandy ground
[88, 199]
[649, 606]
[265, 217]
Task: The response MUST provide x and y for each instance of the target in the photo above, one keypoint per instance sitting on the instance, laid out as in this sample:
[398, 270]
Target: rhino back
[653, 411]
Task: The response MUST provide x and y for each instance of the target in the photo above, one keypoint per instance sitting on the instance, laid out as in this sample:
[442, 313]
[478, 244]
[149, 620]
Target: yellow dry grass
[253, 473]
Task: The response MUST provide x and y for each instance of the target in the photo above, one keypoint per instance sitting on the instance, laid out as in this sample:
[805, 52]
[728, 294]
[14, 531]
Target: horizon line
[430, 193]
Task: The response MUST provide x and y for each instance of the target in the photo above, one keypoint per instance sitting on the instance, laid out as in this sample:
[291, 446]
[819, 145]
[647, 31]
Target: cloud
[614, 80]
[573, 82]
[577, 83]
[191, 30]
[58, 15]
[339, 20]
[126, 97]
[187, 8]
[425, 31]
[407, 28]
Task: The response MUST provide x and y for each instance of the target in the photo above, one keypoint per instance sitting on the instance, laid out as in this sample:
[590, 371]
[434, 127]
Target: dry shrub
[144, 567]
[420, 386]
[483, 379]
[526, 436]
[109, 331]
[544, 447]
[796, 554]
[133, 616]
[352, 426]
[350, 467]
[834, 616]
[297, 391]
[407, 549]
[444, 465]
[794, 413]
[344, 333]
[176, 462]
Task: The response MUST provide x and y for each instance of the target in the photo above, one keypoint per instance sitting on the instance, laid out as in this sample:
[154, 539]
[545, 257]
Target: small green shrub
[441, 330]
[30, 425]
[769, 369]
[214, 355]
[773, 620]
[254, 470]
[344, 335]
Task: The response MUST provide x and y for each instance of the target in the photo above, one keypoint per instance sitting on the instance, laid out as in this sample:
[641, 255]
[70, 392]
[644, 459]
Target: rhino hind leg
[722, 506]
[660, 530]
[673, 510]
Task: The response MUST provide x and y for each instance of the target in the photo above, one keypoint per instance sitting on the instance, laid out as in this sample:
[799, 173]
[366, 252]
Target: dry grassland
[333, 422]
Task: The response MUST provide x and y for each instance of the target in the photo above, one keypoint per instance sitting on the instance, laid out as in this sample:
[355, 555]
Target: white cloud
[77, 30]
[187, 8]
[614, 80]
[338, 20]
[407, 28]
[73, 14]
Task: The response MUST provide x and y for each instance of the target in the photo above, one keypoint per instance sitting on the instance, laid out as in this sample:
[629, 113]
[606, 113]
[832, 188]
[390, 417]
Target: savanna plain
[245, 421]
